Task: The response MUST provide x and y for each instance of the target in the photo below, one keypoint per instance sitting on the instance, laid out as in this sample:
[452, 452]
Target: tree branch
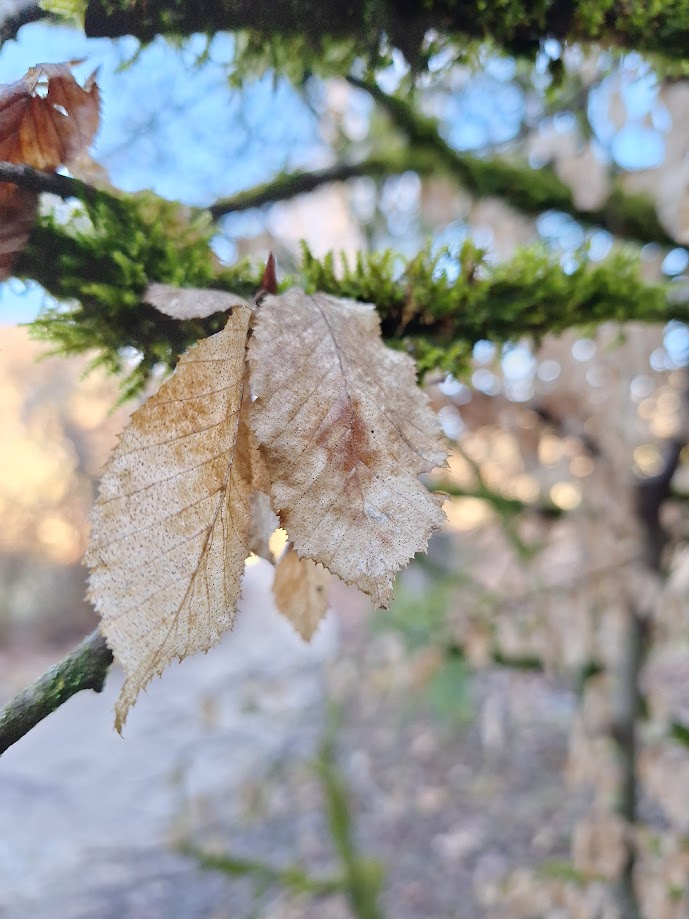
[83, 668]
[289, 184]
[18, 13]
[660, 28]
[650, 495]
[630, 216]
[52, 183]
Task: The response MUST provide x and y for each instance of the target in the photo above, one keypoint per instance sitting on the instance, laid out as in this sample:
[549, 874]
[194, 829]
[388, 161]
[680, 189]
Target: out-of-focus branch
[17, 13]
[53, 183]
[515, 25]
[289, 184]
[650, 495]
[85, 667]
[630, 216]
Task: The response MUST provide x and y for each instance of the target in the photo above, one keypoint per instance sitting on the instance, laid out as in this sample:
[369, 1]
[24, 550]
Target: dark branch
[289, 184]
[83, 668]
[519, 27]
[650, 496]
[51, 182]
[630, 216]
[17, 14]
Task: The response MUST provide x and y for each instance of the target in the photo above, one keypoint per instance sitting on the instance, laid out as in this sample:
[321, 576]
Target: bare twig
[51, 182]
[289, 184]
[83, 668]
[17, 13]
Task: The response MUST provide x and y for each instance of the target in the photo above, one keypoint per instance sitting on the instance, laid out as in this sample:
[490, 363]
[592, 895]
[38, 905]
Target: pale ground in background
[218, 750]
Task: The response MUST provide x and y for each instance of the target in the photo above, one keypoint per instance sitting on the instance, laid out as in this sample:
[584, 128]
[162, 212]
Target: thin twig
[289, 184]
[17, 14]
[85, 667]
[51, 182]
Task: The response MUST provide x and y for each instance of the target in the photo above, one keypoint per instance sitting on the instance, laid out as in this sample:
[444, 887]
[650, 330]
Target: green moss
[518, 26]
[99, 264]
[439, 320]
[630, 216]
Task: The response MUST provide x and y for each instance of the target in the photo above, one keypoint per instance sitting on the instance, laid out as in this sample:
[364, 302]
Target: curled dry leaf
[46, 120]
[190, 302]
[170, 529]
[300, 589]
[345, 433]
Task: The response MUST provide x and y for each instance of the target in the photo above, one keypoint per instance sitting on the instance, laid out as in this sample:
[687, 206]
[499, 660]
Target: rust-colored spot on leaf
[345, 433]
[345, 437]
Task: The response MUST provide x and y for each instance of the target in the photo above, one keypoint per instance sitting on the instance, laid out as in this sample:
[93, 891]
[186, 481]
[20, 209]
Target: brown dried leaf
[89, 170]
[345, 433]
[46, 120]
[170, 529]
[17, 214]
[300, 589]
[190, 302]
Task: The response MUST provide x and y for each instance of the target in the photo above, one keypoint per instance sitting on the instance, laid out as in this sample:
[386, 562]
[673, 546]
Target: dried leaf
[89, 170]
[345, 433]
[300, 589]
[170, 529]
[46, 120]
[190, 302]
[264, 522]
[17, 214]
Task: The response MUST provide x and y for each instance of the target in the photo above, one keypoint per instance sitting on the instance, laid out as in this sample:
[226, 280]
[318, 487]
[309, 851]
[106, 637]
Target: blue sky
[169, 125]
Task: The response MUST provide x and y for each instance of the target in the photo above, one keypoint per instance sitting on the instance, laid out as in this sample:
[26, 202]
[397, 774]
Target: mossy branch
[627, 215]
[85, 667]
[31, 179]
[516, 25]
[436, 305]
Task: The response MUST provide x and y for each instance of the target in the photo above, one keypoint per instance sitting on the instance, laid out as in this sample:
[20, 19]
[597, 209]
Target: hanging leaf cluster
[295, 415]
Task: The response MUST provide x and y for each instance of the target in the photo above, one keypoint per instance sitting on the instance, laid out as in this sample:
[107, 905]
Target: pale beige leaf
[190, 302]
[170, 528]
[264, 522]
[345, 432]
[300, 589]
